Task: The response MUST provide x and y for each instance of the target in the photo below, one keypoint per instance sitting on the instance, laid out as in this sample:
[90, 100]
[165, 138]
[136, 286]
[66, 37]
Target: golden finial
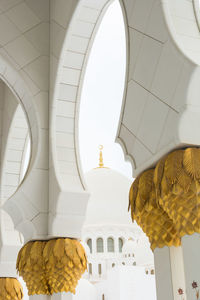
[101, 165]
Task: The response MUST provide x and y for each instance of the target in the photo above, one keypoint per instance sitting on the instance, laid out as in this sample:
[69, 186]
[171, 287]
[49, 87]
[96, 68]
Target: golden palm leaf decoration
[133, 193]
[149, 215]
[178, 187]
[158, 175]
[52, 266]
[173, 165]
[172, 202]
[146, 185]
[10, 289]
[191, 162]
[31, 267]
[184, 181]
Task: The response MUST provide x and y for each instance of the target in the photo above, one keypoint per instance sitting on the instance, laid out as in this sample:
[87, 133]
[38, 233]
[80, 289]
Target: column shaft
[164, 285]
[62, 296]
[191, 250]
[177, 269]
[57, 296]
[39, 297]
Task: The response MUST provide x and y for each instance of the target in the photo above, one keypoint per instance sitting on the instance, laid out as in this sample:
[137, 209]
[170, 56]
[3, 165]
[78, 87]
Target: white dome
[108, 203]
[85, 290]
[129, 247]
[143, 253]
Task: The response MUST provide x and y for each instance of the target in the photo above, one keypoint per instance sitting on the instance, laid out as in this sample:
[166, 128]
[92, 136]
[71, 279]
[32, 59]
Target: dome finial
[101, 165]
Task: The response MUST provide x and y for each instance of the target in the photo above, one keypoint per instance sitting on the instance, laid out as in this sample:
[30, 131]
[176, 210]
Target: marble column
[57, 296]
[163, 272]
[191, 260]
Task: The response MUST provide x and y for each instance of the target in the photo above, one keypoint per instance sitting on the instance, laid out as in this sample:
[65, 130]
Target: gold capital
[145, 210]
[10, 288]
[52, 266]
[177, 181]
[165, 201]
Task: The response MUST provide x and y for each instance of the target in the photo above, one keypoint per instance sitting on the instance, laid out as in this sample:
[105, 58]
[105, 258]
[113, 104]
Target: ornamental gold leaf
[146, 185]
[184, 180]
[35, 251]
[173, 166]
[133, 194]
[48, 248]
[50, 272]
[69, 248]
[179, 190]
[153, 220]
[10, 288]
[81, 253]
[158, 175]
[58, 249]
[191, 162]
[26, 255]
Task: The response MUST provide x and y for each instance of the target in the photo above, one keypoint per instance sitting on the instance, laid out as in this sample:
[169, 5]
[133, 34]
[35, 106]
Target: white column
[164, 285]
[57, 296]
[191, 259]
[178, 275]
[39, 297]
[62, 296]
[8, 269]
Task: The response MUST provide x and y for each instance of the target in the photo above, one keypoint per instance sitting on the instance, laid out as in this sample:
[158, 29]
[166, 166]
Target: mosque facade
[120, 261]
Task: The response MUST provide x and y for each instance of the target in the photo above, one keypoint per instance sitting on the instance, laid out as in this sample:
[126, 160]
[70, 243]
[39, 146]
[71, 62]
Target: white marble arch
[19, 206]
[15, 152]
[24, 40]
[16, 85]
[161, 110]
[14, 133]
[69, 62]
[70, 71]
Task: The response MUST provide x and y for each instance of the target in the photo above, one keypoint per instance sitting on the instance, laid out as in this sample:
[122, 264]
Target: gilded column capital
[10, 289]
[146, 211]
[177, 182]
[52, 266]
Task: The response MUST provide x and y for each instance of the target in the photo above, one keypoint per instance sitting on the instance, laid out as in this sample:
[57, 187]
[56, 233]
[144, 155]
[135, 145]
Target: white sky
[102, 95]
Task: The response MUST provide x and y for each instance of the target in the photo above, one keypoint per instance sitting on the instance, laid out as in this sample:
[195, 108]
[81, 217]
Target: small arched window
[99, 269]
[110, 245]
[120, 244]
[90, 268]
[152, 272]
[134, 264]
[100, 245]
[123, 263]
[89, 243]
[113, 265]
